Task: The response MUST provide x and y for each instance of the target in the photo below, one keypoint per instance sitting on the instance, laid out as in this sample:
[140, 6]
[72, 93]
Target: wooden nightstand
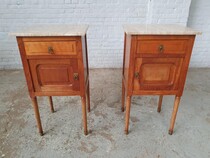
[156, 60]
[55, 62]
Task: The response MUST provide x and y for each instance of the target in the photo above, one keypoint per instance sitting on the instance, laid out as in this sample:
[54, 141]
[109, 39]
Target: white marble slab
[52, 30]
[158, 29]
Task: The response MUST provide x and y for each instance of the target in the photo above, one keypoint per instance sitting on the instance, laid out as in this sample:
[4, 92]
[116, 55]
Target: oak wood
[164, 37]
[186, 62]
[123, 97]
[52, 56]
[160, 103]
[84, 114]
[50, 38]
[51, 104]
[130, 80]
[151, 46]
[54, 75]
[58, 48]
[52, 72]
[25, 67]
[87, 70]
[127, 114]
[58, 93]
[159, 55]
[126, 59]
[157, 73]
[123, 76]
[124, 52]
[37, 115]
[149, 70]
[85, 56]
[156, 92]
[174, 113]
[88, 96]
[82, 66]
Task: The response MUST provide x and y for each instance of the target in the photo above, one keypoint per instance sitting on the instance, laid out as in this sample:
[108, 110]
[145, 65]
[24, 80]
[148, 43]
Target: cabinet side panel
[123, 67]
[186, 64]
[126, 61]
[131, 64]
[85, 57]
[82, 64]
[25, 67]
[129, 55]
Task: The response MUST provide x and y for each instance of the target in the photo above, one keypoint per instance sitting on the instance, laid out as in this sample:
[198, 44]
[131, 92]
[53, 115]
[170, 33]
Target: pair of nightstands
[156, 60]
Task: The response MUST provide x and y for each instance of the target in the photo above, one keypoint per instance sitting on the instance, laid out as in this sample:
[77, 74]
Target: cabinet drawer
[162, 46]
[50, 47]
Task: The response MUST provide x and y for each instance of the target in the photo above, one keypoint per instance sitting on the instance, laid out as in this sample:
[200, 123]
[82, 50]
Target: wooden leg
[127, 114]
[160, 103]
[173, 117]
[123, 97]
[88, 96]
[37, 115]
[84, 114]
[51, 104]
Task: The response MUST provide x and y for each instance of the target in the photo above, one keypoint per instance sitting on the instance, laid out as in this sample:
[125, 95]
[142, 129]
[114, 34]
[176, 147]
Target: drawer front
[50, 47]
[162, 46]
[157, 73]
[54, 75]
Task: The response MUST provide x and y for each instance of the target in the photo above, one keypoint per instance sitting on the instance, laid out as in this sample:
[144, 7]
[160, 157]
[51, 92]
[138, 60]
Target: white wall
[200, 19]
[105, 17]
[168, 11]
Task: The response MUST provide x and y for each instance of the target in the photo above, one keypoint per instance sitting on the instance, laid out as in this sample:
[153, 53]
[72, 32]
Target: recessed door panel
[54, 75]
[157, 73]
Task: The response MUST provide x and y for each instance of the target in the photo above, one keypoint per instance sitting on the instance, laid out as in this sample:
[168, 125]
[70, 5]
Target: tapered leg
[123, 97]
[127, 114]
[84, 114]
[37, 115]
[51, 104]
[173, 117]
[160, 103]
[88, 96]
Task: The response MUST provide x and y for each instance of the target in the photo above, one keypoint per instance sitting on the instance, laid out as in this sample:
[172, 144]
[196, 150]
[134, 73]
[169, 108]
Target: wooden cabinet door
[54, 74]
[157, 73]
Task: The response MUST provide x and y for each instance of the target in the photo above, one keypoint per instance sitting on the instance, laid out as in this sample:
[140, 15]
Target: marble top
[158, 29]
[53, 30]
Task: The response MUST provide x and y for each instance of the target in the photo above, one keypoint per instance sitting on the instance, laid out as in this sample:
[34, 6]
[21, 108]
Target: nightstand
[156, 60]
[55, 62]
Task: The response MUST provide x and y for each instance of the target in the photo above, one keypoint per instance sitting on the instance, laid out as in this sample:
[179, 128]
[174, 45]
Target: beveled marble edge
[159, 29]
[52, 30]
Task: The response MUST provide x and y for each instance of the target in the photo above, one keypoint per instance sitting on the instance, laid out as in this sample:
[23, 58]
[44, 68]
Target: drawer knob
[136, 74]
[50, 50]
[76, 76]
[161, 48]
